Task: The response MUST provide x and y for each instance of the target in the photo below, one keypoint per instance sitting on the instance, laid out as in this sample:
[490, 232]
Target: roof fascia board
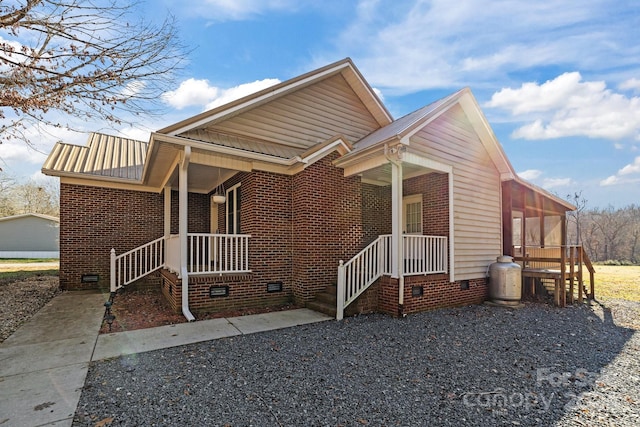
[353, 156]
[313, 156]
[544, 193]
[75, 180]
[205, 146]
[415, 127]
[482, 127]
[371, 93]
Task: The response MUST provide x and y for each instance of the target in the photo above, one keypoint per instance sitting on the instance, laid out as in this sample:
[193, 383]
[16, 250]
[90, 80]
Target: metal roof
[398, 127]
[104, 156]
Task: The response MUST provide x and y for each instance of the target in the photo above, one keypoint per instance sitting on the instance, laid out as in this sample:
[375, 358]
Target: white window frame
[410, 200]
[233, 229]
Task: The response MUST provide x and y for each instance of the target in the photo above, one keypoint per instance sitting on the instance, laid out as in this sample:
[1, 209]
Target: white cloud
[530, 174]
[193, 92]
[568, 106]
[633, 168]
[631, 84]
[629, 174]
[406, 46]
[237, 92]
[556, 182]
[536, 176]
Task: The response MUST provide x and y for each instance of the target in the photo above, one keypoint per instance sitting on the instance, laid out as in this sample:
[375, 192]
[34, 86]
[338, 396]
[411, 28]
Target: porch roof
[533, 200]
[401, 130]
[105, 157]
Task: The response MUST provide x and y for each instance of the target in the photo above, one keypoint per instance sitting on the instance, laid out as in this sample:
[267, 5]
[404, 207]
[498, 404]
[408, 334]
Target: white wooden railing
[422, 255]
[206, 254]
[218, 253]
[137, 263]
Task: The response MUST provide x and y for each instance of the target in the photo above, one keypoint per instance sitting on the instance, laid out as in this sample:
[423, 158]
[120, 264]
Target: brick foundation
[438, 292]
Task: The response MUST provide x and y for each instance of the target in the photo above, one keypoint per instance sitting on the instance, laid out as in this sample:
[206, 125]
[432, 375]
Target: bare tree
[611, 225]
[575, 217]
[87, 59]
[28, 197]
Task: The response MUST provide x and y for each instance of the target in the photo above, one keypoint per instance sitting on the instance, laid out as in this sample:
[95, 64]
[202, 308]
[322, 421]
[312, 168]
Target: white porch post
[167, 211]
[397, 242]
[182, 220]
[396, 219]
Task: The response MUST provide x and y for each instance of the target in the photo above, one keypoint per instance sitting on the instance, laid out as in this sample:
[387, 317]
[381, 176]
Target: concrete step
[322, 307]
[328, 298]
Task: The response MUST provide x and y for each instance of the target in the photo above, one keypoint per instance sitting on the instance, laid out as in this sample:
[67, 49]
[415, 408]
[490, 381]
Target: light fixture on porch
[219, 196]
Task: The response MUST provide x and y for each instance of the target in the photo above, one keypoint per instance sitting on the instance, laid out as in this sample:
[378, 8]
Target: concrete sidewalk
[141, 340]
[43, 365]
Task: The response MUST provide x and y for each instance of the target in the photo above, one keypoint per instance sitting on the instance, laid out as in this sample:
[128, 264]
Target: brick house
[306, 191]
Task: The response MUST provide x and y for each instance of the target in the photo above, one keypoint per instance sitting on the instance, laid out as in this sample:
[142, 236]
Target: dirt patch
[140, 309]
[21, 299]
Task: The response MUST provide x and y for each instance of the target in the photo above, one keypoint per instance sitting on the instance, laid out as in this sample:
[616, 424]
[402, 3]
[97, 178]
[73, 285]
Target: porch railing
[206, 254]
[218, 253]
[422, 255]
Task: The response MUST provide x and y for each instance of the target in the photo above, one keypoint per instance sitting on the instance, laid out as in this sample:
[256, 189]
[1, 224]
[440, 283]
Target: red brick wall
[437, 293]
[199, 216]
[435, 201]
[376, 211]
[93, 220]
[327, 225]
[243, 293]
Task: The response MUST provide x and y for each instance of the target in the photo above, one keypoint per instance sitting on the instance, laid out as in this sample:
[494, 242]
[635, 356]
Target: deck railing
[422, 255]
[206, 254]
[560, 263]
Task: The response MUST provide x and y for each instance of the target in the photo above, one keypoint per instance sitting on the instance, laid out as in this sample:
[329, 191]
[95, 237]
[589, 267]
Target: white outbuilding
[29, 235]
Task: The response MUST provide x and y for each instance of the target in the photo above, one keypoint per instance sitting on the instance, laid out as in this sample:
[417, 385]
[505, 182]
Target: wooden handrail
[569, 266]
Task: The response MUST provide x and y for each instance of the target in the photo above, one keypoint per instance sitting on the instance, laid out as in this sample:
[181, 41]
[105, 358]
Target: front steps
[326, 301]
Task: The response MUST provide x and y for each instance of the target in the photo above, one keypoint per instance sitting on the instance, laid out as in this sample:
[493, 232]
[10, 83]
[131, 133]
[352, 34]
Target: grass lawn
[11, 266]
[613, 281]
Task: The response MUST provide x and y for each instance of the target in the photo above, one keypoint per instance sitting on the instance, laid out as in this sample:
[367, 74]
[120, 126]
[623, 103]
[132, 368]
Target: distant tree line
[607, 234]
[20, 197]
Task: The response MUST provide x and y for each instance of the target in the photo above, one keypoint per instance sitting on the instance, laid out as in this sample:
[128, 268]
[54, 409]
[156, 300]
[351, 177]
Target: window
[233, 210]
[412, 212]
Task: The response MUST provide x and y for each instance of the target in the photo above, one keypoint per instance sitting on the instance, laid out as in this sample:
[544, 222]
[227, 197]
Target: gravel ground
[22, 299]
[473, 366]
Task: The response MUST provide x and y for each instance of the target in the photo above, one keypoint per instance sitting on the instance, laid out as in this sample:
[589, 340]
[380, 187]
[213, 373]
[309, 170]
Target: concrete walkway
[43, 365]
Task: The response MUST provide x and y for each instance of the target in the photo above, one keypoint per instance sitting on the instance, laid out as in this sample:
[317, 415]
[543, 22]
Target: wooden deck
[564, 265]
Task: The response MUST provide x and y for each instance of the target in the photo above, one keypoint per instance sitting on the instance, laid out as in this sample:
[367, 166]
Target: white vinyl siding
[450, 139]
[306, 117]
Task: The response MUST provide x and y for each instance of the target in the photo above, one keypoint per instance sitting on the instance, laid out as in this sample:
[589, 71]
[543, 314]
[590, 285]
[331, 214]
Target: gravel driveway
[476, 366]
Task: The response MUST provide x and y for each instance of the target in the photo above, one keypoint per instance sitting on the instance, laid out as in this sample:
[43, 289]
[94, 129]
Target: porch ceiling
[381, 175]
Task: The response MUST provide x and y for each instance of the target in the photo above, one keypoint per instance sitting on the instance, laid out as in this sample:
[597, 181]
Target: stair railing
[361, 271]
[137, 263]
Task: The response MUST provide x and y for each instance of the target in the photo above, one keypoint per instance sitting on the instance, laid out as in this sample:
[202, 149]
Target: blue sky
[559, 81]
